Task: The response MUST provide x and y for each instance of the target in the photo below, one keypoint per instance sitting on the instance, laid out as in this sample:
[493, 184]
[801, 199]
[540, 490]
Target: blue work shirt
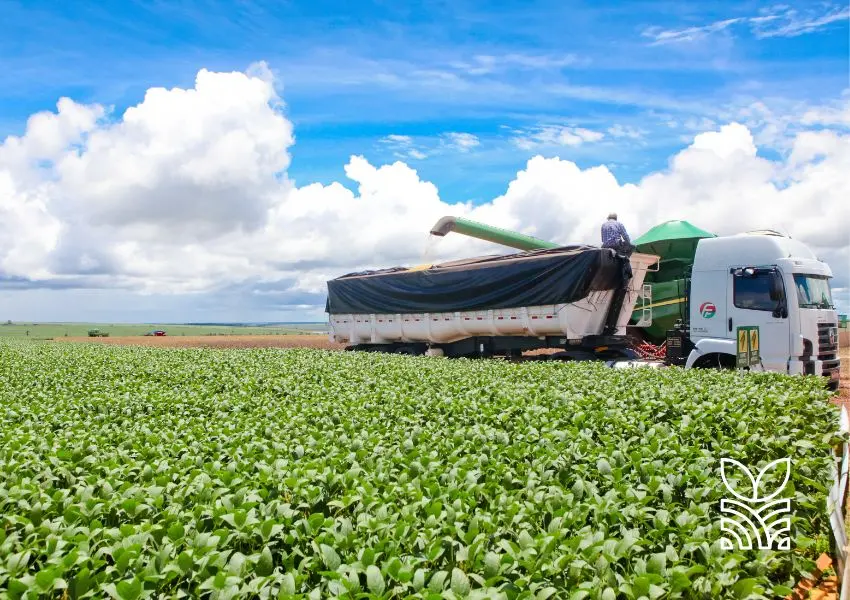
[614, 234]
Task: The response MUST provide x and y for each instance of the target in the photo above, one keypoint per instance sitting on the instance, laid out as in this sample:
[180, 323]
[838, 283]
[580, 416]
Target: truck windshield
[813, 291]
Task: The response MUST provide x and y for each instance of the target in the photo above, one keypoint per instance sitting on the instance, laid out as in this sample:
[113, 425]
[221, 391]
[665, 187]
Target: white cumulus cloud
[556, 135]
[188, 163]
[625, 131]
[403, 146]
[463, 142]
[187, 192]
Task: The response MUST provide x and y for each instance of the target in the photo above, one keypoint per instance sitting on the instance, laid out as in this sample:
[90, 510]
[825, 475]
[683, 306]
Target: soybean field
[134, 472]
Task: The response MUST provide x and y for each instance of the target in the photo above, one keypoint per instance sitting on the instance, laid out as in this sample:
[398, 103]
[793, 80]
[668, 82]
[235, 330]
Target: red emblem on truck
[707, 310]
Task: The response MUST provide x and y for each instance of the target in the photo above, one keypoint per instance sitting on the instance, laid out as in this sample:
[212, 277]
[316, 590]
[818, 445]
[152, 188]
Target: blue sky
[353, 73]
[464, 92]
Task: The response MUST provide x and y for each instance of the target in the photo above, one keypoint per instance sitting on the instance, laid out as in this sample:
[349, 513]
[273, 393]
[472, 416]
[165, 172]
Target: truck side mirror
[777, 291]
[780, 312]
[777, 294]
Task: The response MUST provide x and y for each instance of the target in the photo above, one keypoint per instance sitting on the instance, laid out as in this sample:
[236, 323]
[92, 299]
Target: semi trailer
[757, 300]
[576, 298]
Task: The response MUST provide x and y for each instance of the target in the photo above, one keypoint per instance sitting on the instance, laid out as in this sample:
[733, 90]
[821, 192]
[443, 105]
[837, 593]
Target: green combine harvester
[674, 241]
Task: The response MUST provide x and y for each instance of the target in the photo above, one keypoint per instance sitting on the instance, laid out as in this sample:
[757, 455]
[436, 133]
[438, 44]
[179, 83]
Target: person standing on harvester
[615, 236]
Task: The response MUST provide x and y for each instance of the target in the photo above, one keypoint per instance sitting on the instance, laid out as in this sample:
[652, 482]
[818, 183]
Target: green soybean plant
[199, 473]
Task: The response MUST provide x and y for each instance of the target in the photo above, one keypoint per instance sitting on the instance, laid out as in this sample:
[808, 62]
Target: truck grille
[830, 365]
[827, 341]
[828, 352]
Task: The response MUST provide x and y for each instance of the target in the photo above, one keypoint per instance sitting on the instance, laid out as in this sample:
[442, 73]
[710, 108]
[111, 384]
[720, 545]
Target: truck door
[708, 305]
[757, 297]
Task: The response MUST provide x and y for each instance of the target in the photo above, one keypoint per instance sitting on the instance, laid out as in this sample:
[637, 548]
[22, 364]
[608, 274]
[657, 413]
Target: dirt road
[844, 390]
[215, 341]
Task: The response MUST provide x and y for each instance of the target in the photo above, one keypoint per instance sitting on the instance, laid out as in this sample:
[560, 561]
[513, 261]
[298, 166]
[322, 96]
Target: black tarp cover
[534, 278]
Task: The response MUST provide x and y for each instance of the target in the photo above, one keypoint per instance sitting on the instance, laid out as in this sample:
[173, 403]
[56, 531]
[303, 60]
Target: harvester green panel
[668, 306]
[676, 243]
[672, 232]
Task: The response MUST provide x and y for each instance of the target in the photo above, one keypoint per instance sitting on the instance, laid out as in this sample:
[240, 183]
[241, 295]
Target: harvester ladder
[645, 306]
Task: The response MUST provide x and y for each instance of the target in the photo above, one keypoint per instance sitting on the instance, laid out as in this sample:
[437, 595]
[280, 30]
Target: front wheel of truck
[715, 361]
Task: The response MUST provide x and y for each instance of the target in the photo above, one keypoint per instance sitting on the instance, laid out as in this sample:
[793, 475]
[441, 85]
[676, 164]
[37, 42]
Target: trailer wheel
[370, 348]
[408, 350]
[573, 355]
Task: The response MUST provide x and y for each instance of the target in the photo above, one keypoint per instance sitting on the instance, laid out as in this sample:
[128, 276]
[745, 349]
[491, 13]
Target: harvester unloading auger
[489, 233]
[674, 241]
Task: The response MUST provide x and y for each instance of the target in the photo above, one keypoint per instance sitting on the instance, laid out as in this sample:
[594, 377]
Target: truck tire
[715, 361]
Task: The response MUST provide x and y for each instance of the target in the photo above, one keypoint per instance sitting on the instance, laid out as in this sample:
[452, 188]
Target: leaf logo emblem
[749, 519]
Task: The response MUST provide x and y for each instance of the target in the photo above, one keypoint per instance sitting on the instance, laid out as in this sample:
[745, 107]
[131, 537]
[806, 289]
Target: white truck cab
[774, 283]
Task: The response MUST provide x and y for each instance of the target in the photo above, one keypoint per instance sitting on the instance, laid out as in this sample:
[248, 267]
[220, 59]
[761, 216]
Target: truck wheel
[369, 348]
[715, 361]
